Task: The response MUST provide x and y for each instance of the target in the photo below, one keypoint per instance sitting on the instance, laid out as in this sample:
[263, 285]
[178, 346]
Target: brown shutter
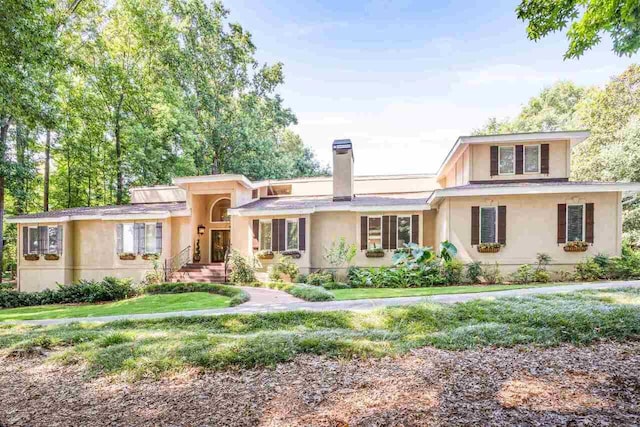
[43, 239]
[302, 234]
[256, 234]
[475, 225]
[282, 235]
[519, 159]
[393, 232]
[25, 240]
[562, 223]
[544, 158]
[415, 229]
[363, 232]
[494, 160]
[502, 225]
[158, 238]
[60, 241]
[385, 232]
[589, 222]
[274, 235]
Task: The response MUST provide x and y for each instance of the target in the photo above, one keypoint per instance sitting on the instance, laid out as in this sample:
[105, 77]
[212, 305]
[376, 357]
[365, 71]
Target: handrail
[226, 261]
[171, 265]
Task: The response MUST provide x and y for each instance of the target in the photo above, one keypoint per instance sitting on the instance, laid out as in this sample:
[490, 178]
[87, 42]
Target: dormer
[526, 157]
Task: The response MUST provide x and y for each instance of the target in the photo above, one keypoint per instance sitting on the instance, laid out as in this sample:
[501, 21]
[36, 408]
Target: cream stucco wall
[159, 194]
[531, 227]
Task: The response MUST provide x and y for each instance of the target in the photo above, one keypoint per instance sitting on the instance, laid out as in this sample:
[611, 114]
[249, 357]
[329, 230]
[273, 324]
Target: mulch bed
[597, 385]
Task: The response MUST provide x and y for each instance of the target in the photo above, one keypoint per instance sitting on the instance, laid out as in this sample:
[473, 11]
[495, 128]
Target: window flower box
[127, 257]
[51, 257]
[489, 248]
[150, 256]
[265, 254]
[293, 254]
[576, 246]
[31, 257]
[374, 253]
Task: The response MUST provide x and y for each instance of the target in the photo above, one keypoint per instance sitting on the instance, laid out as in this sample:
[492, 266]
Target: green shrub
[452, 271]
[397, 277]
[285, 265]
[241, 270]
[335, 285]
[238, 296]
[320, 277]
[7, 286]
[588, 270]
[524, 274]
[541, 276]
[603, 261]
[492, 274]
[474, 272]
[301, 278]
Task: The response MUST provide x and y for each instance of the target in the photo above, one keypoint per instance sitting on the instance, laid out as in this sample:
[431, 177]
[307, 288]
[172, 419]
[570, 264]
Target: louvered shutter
[415, 229]
[544, 158]
[385, 232]
[393, 232]
[494, 160]
[562, 223]
[25, 240]
[502, 225]
[302, 234]
[274, 235]
[589, 222]
[138, 236]
[519, 159]
[363, 232]
[282, 235]
[475, 225]
[158, 238]
[60, 240]
[119, 245]
[256, 234]
[43, 237]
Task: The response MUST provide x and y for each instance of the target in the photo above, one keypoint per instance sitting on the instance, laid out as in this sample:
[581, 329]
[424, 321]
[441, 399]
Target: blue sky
[403, 79]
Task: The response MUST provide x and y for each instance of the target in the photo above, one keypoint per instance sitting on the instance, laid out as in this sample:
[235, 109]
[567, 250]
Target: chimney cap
[342, 144]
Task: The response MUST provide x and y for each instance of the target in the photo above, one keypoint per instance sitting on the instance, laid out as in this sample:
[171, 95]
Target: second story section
[488, 159]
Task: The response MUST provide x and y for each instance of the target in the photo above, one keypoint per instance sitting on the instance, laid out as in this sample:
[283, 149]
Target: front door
[219, 244]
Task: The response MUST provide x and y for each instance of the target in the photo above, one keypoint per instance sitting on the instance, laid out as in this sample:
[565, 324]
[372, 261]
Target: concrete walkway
[269, 300]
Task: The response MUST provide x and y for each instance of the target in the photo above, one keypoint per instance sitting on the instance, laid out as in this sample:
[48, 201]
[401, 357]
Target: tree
[587, 20]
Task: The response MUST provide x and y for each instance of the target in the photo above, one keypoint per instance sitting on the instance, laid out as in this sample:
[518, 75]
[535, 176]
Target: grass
[150, 348]
[160, 303]
[298, 290]
[368, 293]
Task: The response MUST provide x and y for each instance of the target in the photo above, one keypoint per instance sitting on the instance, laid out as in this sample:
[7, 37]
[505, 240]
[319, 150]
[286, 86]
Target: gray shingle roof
[108, 210]
[314, 202]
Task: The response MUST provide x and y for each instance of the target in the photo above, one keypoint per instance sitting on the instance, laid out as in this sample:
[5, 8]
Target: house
[512, 191]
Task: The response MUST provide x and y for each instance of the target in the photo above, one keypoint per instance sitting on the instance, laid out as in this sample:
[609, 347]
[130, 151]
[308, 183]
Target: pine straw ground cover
[375, 368]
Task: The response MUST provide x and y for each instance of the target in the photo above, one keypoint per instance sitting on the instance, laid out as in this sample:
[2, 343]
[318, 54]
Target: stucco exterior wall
[159, 194]
[559, 162]
[531, 227]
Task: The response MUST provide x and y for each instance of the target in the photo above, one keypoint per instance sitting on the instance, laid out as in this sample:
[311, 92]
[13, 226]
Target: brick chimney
[342, 170]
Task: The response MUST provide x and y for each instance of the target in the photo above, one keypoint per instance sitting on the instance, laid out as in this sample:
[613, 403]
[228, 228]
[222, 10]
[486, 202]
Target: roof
[575, 135]
[223, 177]
[139, 210]
[515, 188]
[311, 204]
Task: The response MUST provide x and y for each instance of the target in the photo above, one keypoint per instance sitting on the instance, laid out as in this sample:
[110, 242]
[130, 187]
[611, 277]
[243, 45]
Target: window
[128, 238]
[43, 240]
[33, 240]
[488, 225]
[575, 222]
[506, 160]
[374, 233]
[52, 240]
[531, 159]
[219, 211]
[265, 235]
[292, 234]
[255, 194]
[404, 230]
[150, 238]
[139, 238]
[278, 190]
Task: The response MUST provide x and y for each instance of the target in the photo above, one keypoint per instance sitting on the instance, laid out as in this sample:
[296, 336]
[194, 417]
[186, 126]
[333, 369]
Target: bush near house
[319, 278]
[83, 291]
[238, 296]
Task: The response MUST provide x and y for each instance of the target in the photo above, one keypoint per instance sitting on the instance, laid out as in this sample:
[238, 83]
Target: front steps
[201, 273]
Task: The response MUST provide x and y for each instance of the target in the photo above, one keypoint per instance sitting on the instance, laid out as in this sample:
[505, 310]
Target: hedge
[238, 296]
[299, 290]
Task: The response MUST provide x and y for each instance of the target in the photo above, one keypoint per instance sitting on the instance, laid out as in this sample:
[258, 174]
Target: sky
[403, 79]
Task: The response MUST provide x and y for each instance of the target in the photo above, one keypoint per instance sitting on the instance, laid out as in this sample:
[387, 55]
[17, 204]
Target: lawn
[368, 293]
[161, 303]
[150, 348]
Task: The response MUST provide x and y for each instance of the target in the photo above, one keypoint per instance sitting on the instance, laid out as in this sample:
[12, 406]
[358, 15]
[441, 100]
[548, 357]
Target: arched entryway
[220, 232]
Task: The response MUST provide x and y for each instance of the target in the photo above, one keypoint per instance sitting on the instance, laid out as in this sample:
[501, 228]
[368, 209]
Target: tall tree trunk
[4, 129]
[21, 148]
[120, 178]
[47, 160]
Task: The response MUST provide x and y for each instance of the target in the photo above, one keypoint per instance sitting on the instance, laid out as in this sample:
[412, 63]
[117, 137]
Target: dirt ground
[597, 385]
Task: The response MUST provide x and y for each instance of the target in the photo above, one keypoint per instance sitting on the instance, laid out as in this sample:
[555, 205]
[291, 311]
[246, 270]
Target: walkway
[268, 300]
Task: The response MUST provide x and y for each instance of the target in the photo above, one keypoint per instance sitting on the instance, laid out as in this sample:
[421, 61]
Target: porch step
[201, 273]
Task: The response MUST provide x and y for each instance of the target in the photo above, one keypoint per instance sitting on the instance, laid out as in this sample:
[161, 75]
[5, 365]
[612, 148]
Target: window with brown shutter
[589, 222]
[562, 223]
[274, 235]
[502, 225]
[475, 225]
[494, 160]
[385, 232]
[256, 234]
[415, 229]
[302, 237]
[282, 235]
[544, 158]
[364, 224]
[393, 235]
[519, 159]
